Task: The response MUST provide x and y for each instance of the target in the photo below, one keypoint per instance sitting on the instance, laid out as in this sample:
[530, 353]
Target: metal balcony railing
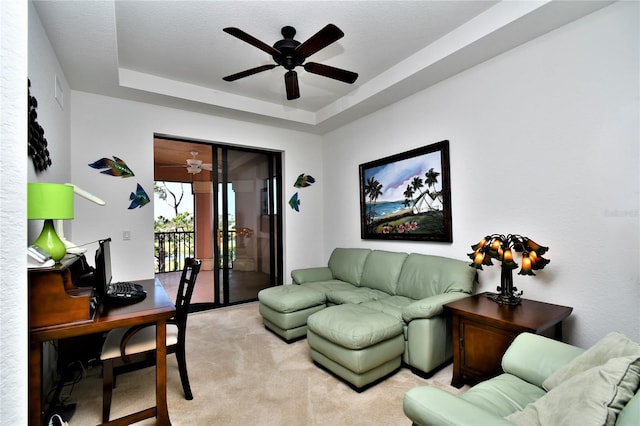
[170, 249]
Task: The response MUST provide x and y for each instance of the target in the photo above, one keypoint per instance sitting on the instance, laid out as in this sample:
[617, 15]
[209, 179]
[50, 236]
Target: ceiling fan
[291, 53]
[195, 166]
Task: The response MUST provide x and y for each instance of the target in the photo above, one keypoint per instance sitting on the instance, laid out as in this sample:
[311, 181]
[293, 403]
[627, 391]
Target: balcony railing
[170, 249]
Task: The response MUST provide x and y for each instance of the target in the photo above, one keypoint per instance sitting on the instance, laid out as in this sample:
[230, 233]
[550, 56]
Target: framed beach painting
[407, 196]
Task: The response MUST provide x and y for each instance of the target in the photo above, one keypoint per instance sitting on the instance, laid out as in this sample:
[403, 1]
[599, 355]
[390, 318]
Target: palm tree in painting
[425, 201]
[417, 184]
[408, 196]
[372, 189]
[431, 178]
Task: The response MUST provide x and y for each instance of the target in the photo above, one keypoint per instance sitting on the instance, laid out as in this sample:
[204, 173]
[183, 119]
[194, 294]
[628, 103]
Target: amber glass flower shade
[501, 248]
[50, 201]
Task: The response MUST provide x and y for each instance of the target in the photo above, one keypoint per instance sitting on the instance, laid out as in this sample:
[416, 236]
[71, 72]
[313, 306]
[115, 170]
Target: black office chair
[127, 349]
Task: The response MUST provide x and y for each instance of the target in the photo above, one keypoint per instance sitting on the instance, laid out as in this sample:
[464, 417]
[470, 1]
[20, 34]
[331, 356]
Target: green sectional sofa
[364, 300]
[545, 382]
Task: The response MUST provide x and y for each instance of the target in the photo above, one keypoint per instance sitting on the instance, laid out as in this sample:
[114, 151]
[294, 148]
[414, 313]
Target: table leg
[558, 331]
[35, 383]
[162, 414]
[457, 345]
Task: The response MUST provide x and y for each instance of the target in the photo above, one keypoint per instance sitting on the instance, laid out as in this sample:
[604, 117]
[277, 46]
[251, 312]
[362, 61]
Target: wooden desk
[483, 330]
[155, 308]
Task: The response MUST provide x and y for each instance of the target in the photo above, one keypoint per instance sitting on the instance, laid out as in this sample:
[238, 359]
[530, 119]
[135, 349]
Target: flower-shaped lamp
[501, 248]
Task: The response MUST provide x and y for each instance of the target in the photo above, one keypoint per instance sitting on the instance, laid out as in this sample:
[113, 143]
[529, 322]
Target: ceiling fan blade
[291, 84]
[207, 166]
[246, 73]
[331, 72]
[236, 32]
[320, 40]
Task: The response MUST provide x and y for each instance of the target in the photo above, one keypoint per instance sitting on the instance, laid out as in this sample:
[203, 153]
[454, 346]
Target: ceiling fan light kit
[290, 53]
[194, 165]
[193, 169]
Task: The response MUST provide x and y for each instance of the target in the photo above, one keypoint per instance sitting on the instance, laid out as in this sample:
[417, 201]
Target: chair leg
[107, 387]
[184, 377]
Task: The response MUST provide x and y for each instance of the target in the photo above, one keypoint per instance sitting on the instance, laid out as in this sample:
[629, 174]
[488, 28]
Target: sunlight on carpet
[240, 373]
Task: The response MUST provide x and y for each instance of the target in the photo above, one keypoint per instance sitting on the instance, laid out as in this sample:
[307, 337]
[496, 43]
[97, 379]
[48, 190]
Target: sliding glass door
[248, 243]
[236, 218]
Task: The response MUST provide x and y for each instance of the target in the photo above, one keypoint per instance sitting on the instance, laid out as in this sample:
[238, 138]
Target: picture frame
[407, 196]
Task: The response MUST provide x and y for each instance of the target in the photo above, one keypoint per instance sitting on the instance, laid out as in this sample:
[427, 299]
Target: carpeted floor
[241, 374]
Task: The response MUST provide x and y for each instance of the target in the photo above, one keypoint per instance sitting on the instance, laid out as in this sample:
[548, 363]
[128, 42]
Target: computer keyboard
[126, 290]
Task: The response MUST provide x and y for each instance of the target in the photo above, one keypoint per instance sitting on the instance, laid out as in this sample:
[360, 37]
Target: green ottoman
[356, 343]
[285, 309]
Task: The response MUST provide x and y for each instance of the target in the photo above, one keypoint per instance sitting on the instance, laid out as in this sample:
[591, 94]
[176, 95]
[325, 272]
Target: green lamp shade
[48, 201]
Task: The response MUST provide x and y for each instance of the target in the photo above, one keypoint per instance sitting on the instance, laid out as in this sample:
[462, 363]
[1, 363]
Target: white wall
[13, 214]
[103, 127]
[43, 68]
[54, 119]
[544, 143]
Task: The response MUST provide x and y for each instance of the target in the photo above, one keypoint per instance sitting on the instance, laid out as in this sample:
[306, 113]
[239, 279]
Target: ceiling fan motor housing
[288, 56]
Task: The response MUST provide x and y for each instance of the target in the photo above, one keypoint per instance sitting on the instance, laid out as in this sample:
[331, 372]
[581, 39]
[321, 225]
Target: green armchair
[545, 382]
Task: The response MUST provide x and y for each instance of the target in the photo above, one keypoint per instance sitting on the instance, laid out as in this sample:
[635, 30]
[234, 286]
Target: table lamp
[501, 248]
[50, 201]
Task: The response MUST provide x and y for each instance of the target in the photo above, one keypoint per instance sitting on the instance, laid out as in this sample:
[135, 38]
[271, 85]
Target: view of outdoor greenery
[174, 236]
[174, 229]
[181, 221]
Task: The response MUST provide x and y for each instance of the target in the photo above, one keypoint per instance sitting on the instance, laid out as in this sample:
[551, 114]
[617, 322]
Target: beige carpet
[242, 374]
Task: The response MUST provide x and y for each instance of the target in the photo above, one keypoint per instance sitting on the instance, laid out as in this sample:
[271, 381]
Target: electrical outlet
[126, 235]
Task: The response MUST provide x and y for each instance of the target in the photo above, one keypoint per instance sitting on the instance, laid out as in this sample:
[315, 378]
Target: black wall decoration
[38, 150]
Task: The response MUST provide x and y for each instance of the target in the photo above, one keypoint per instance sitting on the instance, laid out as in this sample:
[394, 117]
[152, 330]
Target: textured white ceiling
[175, 52]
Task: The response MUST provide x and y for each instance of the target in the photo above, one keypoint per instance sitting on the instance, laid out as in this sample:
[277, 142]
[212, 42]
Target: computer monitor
[103, 267]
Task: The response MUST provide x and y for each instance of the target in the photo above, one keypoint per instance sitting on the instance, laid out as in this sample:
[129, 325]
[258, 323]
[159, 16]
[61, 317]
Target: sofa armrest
[306, 275]
[431, 306]
[630, 414]
[533, 358]
[426, 405]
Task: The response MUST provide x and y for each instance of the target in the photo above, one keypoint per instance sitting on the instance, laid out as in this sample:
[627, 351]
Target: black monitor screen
[103, 266]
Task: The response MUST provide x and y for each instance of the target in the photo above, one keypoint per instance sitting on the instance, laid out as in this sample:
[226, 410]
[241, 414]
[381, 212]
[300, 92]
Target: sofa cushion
[382, 269]
[355, 295]
[347, 264]
[592, 397]
[392, 305]
[429, 405]
[503, 395]
[354, 326]
[613, 345]
[326, 286]
[425, 276]
[290, 298]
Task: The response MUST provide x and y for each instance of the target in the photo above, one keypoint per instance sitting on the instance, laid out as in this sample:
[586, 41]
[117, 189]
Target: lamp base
[50, 242]
[505, 299]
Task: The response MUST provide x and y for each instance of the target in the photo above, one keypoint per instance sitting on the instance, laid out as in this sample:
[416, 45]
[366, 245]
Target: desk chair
[128, 349]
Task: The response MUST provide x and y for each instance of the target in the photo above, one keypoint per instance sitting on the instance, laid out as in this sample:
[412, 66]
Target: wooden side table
[484, 329]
